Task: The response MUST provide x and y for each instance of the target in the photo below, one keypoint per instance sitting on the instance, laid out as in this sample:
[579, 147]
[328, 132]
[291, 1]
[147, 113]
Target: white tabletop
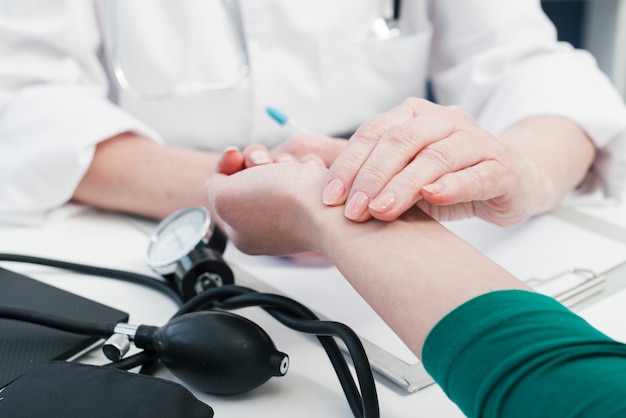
[310, 388]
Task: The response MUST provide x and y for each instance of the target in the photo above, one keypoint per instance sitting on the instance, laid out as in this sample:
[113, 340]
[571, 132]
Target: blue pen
[284, 120]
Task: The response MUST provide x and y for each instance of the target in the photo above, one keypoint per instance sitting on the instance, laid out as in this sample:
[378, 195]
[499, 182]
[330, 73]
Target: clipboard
[560, 259]
[578, 285]
[571, 286]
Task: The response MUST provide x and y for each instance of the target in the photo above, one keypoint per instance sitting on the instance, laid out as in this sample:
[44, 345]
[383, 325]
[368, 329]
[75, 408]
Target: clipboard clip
[570, 286]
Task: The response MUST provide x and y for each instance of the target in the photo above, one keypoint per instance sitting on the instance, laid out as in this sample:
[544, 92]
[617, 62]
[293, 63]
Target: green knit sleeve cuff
[480, 349]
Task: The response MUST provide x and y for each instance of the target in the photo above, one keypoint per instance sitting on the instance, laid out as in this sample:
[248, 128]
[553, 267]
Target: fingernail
[260, 157]
[356, 206]
[333, 192]
[286, 159]
[434, 188]
[383, 202]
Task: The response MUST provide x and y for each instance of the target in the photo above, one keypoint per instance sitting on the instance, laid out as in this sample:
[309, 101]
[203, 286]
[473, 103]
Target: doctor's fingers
[305, 159]
[302, 144]
[410, 155]
[256, 155]
[450, 171]
[505, 202]
[483, 181]
[348, 164]
[231, 161]
[313, 159]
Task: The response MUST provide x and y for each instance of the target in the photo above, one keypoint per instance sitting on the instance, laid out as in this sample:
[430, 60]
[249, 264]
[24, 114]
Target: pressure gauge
[186, 247]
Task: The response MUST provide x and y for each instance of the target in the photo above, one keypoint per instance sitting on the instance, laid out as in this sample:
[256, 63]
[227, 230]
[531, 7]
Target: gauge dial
[176, 236]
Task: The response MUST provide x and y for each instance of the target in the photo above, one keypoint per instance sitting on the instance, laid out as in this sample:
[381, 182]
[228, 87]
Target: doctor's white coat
[316, 60]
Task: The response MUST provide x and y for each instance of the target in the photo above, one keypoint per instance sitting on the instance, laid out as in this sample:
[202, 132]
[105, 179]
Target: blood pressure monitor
[186, 248]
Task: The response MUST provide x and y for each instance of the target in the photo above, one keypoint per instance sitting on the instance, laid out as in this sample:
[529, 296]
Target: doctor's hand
[437, 157]
[301, 147]
[302, 144]
[263, 210]
[233, 160]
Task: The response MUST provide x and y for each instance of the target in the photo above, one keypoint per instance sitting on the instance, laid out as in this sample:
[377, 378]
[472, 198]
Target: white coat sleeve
[53, 104]
[500, 60]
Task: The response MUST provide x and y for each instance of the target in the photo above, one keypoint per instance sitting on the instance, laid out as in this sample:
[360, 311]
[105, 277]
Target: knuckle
[442, 155]
[346, 168]
[457, 112]
[370, 132]
[401, 136]
[409, 185]
[416, 103]
[462, 119]
[346, 162]
[369, 176]
[480, 181]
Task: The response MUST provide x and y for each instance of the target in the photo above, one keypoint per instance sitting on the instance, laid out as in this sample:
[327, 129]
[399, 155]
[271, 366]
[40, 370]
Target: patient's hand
[270, 209]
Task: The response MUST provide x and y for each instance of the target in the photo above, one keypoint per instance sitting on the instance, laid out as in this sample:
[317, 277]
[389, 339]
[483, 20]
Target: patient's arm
[412, 271]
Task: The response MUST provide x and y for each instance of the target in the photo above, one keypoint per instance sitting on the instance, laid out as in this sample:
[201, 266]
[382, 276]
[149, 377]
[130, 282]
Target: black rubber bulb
[216, 352]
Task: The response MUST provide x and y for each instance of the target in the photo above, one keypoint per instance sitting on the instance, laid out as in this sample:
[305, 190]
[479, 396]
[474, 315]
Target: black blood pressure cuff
[62, 389]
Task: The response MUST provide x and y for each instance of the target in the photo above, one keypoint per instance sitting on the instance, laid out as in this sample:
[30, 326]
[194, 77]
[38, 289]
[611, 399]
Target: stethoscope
[384, 27]
[186, 248]
[182, 88]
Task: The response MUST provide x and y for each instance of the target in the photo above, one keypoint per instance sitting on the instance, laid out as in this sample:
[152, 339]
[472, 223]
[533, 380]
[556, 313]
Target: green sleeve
[520, 354]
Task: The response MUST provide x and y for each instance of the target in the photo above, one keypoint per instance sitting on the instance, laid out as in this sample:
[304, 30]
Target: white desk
[310, 388]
